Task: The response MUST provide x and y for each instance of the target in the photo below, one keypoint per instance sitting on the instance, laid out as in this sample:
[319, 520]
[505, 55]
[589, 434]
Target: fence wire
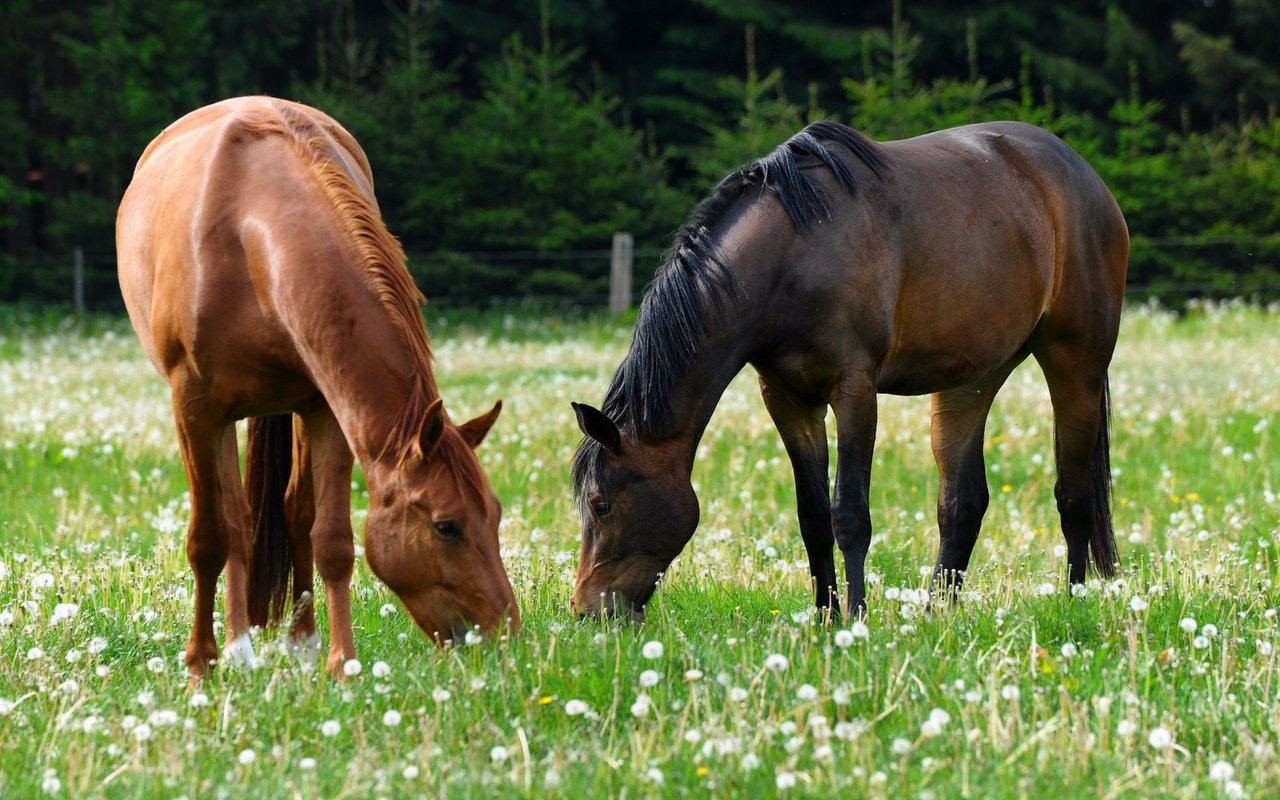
[1174, 269]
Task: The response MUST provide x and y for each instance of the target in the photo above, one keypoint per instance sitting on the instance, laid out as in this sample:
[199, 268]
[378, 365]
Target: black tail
[1103, 544]
[267, 467]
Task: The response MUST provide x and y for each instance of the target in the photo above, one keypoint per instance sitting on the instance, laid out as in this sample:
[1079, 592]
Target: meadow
[1161, 682]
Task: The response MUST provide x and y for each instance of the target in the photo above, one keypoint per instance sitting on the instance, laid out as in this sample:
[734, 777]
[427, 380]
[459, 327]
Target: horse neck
[728, 347]
[367, 371]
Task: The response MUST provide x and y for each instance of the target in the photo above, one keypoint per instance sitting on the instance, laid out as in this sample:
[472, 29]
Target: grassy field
[1164, 682]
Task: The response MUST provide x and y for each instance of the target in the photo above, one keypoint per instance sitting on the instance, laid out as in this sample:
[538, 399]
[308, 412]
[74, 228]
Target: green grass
[1016, 691]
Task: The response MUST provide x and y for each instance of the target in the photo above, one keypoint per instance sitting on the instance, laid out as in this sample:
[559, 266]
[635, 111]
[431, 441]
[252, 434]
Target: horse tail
[267, 468]
[1103, 542]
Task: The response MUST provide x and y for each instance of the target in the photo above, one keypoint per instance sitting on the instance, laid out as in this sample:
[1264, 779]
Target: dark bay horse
[261, 280]
[841, 268]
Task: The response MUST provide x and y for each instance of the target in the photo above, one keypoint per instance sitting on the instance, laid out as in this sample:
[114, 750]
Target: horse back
[944, 263]
[222, 218]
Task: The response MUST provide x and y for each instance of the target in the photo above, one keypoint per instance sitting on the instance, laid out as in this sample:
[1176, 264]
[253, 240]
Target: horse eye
[601, 507]
[448, 529]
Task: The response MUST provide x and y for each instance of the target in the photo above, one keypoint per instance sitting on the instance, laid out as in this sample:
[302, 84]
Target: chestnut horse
[841, 268]
[261, 280]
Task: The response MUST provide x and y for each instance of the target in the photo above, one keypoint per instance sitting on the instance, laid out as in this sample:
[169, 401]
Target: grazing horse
[841, 268]
[262, 282]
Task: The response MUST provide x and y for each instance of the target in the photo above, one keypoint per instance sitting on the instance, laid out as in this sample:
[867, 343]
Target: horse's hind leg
[300, 508]
[1078, 388]
[331, 537]
[957, 429]
[804, 433]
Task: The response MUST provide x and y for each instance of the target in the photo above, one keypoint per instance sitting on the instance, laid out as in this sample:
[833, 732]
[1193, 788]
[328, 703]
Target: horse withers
[841, 268]
[262, 283]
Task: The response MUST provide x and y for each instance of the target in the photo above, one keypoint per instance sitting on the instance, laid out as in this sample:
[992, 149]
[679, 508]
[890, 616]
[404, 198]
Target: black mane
[693, 289]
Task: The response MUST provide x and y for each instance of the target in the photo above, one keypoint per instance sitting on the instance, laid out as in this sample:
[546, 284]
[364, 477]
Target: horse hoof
[304, 648]
[239, 652]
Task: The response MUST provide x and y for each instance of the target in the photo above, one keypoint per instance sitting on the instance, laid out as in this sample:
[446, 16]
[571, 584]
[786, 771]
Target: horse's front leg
[331, 538]
[804, 433]
[219, 530]
[854, 403]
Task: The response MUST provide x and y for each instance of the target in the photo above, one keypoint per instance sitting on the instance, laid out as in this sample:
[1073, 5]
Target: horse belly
[951, 334]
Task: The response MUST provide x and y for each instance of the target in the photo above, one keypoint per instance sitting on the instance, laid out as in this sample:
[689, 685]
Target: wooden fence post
[77, 280]
[620, 274]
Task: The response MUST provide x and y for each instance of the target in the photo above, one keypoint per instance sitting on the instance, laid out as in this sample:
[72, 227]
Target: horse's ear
[596, 425]
[475, 430]
[432, 428]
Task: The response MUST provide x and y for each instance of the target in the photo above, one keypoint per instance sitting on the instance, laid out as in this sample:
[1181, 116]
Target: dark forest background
[510, 139]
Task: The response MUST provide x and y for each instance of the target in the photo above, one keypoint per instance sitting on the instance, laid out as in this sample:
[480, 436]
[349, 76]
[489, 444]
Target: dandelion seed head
[1160, 738]
[641, 706]
[50, 783]
[776, 662]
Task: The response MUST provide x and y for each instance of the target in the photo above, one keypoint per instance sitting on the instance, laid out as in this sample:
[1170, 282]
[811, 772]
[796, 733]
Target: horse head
[638, 512]
[432, 531]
